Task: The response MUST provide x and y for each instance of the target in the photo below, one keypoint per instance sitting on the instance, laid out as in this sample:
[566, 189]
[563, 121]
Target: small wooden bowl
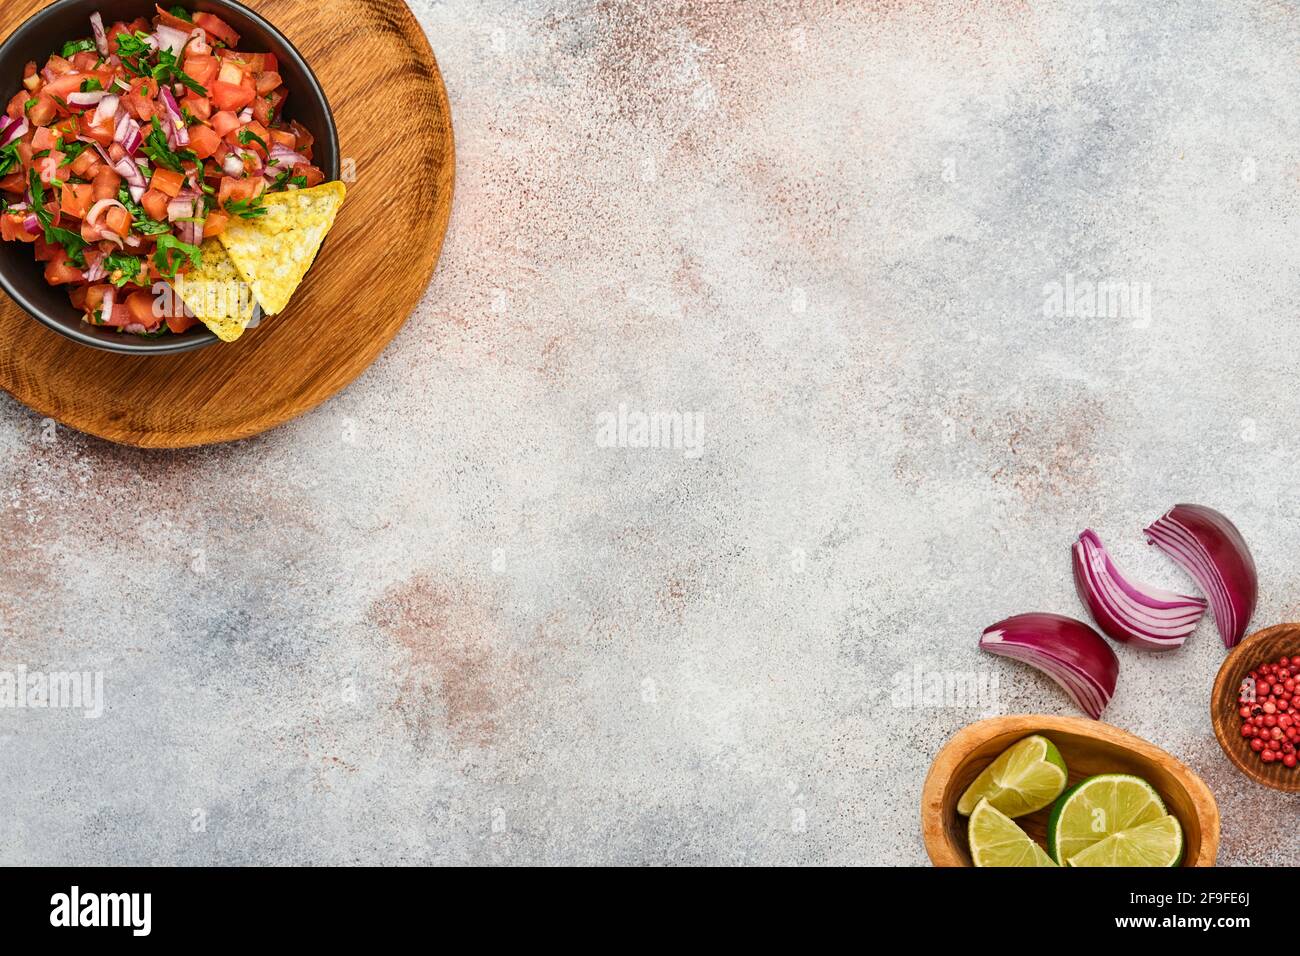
[1260, 648]
[1089, 747]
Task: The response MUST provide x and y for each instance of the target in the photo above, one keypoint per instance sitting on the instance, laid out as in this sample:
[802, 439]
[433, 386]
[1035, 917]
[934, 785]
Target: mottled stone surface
[440, 620]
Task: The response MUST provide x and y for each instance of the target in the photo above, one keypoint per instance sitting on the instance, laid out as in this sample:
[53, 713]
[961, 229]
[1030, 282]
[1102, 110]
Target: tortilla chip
[217, 294]
[274, 251]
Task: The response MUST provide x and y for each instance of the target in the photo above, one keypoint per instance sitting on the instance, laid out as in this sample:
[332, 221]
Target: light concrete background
[436, 621]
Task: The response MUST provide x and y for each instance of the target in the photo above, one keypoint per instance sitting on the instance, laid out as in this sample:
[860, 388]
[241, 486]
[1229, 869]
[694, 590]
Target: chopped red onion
[1127, 611]
[286, 157]
[169, 38]
[86, 99]
[137, 192]
[177, 133]
[16, 133]
[128, 170]
[101, 36]
[234, 165]
[1066, 650]
[100, 208]
[96, 270]
[107, 108]
[1209, 547]
[108, 304]
[247, 115]
[32, 225]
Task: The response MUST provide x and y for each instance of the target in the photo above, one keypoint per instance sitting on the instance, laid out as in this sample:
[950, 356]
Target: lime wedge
[1025, 777]
[1158, 843]
[1098, 807]
[995, 840]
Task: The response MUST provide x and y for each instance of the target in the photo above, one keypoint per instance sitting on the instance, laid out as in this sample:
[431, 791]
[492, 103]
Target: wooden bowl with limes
[1088, 747]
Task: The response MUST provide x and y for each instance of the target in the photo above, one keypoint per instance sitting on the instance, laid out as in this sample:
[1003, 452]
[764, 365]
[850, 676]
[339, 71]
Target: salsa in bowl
[129, 142]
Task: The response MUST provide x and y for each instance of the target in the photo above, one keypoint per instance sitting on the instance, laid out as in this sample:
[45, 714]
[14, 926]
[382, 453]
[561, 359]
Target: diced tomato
[120, 317]
[204, 141]
[118, 220]
[284, 138]
[13, 230]
[171, 20]
[263, 111]
[305, 139]
[85, 61]
[228, 96]
[49, 166]
[107, 183]
[68, 128]
[140, 101]
[18, 105]
[77, 199]
[239, 190]
[60, 272]
[64, 85]
[313, 175]
[224, 122]
[101, 133]
[232, 72]
[14, 183]
[95, 297]
[266, 82]
[155, 204]
[43, 139]
[78, 296]
[166, 181]
[202, 69]
[200, 106]
[58, 65]
[141, 305]
[181, 323]
[217, 29]
[47, 251]
[215, 224]
[44, 111]
[81, 166]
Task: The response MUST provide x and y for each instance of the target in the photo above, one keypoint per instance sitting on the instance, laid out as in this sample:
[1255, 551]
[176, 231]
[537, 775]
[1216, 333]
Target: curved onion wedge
[1209, 547]
[1066, 650]
[1126, 610]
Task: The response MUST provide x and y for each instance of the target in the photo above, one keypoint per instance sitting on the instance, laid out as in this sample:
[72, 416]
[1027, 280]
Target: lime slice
[995, 840]
[1026, 777]
[1098, 807]
[1158, 843]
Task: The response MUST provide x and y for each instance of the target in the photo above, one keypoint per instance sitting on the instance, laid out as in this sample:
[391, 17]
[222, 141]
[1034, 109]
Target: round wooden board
[394, 122]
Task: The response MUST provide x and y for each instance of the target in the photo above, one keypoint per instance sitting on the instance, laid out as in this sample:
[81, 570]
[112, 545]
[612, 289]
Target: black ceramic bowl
[20, 274]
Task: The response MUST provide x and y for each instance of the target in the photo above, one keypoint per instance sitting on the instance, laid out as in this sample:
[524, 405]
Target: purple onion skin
[1228, 552]
[1068, 639]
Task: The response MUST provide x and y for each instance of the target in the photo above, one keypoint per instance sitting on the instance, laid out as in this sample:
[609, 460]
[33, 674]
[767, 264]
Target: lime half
[995, 840]
[1097, 808]
[1025, 777]
[1158, 843]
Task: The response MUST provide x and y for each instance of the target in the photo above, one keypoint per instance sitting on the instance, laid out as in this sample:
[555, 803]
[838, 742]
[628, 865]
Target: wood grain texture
[394, 121]
[1262, 647]
[1088, 747]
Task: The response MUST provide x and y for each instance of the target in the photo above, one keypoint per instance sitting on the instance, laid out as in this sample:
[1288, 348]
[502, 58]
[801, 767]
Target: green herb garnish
[130, 268]
[73, 47]
[247, 136]
[156, 148]
[170, 253]
[247, 208]
[71, 242]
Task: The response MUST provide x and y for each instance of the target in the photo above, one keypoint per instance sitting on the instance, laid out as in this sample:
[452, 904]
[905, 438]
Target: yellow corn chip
[274, 251]
[217, 294]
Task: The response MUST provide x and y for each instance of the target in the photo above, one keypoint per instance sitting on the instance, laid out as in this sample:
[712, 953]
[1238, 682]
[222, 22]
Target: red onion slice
[1127, 611]
[86, 99]
[17, 132]
[1209, 547]
[32, 225]
[107, 108]
[169, 38]
[101, 37]
[1066, 650]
